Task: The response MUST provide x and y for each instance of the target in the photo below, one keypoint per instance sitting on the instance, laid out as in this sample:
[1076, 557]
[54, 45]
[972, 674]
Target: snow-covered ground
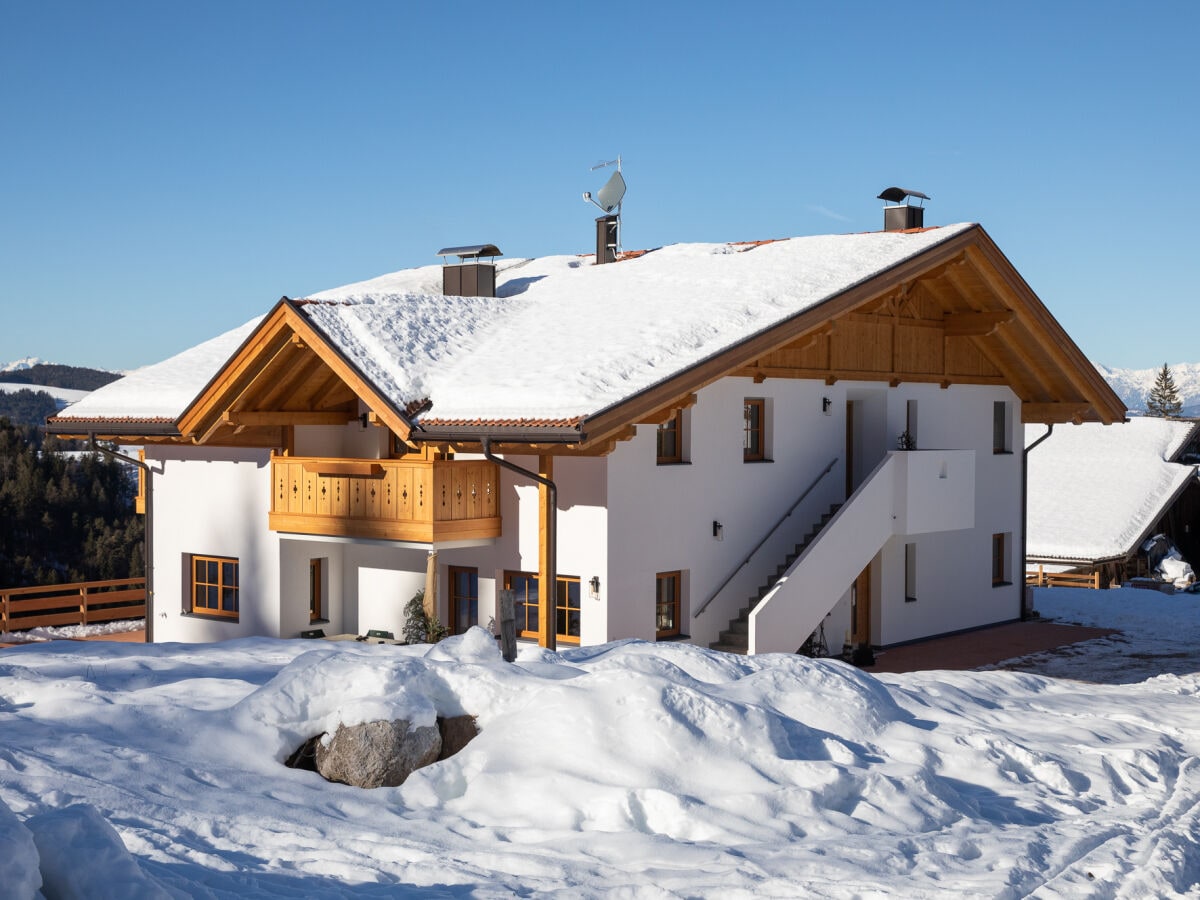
[627, 770]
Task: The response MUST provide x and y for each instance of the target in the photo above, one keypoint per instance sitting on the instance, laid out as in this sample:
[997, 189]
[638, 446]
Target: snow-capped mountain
[27, 363]
[1132, 385]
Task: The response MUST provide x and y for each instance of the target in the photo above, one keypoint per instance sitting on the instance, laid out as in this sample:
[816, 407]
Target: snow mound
[19, 876]
[83, 856]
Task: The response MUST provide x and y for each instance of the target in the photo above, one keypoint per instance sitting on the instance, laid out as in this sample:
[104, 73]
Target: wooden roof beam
[254, 418]
[975, 324]
[667, 412]
[1054, 413]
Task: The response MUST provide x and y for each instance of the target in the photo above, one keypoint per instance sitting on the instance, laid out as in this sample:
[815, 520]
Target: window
[215, 586]
[464, 598]
[670, 440]
[754, 427]
[1000, 544]
[910, 421]
[524, 586]
[316, 590]
[910, 573]
[666, 604]
[1000, 429]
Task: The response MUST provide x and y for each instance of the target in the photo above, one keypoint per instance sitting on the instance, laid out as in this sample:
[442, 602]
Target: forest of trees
[26, 407]
[64, 516]
[76, 378]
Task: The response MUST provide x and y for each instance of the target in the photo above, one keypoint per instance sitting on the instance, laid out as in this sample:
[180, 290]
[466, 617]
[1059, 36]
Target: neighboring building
[681, 402]
[1096, 494]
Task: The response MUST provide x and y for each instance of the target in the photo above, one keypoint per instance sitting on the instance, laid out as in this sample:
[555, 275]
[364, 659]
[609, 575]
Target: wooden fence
[1040, 578]
[82, 603]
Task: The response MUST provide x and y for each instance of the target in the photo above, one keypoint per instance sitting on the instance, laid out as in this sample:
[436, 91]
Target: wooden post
[83, 604]
[508, 626]
[547, 576]
[3, 612]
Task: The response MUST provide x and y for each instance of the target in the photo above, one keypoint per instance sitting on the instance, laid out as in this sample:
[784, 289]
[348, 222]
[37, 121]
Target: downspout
[551, 540]
[1025, 513]
[148, 541]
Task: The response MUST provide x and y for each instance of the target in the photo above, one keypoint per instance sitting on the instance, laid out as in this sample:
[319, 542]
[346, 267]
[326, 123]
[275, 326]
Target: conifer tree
[1163, 399]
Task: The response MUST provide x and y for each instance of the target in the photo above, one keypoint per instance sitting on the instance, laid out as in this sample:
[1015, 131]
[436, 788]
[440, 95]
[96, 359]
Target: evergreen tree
[64, 517]
[1163, 399]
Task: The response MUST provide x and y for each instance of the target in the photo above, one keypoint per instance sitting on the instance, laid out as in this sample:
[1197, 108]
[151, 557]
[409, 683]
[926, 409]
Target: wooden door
[860, 608]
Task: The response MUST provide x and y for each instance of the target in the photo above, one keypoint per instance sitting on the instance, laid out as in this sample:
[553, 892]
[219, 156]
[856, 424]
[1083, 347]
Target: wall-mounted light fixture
[718, 530]
[363, 420]
[594, 584]
[827, 406]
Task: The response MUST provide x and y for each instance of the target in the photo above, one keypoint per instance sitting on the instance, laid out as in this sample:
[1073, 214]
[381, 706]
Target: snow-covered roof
[162, 391]
[563, 339]
[1095, 490]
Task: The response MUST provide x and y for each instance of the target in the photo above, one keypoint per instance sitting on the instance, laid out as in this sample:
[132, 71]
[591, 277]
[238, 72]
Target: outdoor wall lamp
[594, 584]
[826, 406]
[718, 530]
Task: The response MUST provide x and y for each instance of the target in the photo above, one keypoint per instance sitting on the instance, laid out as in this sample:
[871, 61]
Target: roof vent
[469, 277]
[905, 216]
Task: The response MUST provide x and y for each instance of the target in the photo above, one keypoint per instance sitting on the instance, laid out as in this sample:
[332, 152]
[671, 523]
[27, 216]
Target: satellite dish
[609, 197]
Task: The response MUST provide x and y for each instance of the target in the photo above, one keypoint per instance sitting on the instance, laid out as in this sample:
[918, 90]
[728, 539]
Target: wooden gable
[285, 374]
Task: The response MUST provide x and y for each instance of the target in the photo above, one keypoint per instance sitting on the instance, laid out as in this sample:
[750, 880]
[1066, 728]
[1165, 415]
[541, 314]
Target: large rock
[377, 754]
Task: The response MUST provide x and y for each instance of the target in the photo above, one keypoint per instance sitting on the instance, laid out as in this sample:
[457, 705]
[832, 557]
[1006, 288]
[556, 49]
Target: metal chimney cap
[896, 194]
[471, 251]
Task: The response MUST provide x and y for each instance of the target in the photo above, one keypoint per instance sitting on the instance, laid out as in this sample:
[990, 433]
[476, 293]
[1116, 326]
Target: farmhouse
[734, 444]
[1096, 494]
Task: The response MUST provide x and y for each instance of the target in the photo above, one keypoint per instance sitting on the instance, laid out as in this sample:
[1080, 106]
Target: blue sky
[169, 170]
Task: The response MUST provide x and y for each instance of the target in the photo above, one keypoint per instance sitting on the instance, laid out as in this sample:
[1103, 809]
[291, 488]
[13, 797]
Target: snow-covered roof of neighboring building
[1096, 490]
[160, 392]
[562, 339]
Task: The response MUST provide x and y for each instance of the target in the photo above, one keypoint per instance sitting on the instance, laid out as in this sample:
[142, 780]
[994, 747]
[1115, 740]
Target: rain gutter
[1025, 513]
[551, 590]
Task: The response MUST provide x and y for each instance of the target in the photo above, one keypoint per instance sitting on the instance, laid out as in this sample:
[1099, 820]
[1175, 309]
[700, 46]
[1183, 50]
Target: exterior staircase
[736, 638]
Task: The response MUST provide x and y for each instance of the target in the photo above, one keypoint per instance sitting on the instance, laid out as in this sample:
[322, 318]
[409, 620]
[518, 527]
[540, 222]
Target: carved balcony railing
[421, 501]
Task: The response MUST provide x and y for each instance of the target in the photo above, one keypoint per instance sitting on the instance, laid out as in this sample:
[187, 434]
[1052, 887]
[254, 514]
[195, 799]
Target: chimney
[607, 239]
[473, 278]
[904, 216]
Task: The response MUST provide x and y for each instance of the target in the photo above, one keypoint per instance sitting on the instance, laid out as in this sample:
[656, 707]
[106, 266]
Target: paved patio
[984, 647]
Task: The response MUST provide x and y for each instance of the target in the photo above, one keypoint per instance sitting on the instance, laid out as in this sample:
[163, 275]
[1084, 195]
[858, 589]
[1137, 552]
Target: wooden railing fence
[81, 603]
[1040, 578]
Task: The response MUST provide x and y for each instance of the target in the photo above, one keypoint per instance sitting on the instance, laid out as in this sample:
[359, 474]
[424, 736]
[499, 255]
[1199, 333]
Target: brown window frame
[754, 433]
[316, 590]
[194, 586]
[562, 611]
[999, 551]
[676, 580]
[1001, 427]
[457, 627]
[672, 430]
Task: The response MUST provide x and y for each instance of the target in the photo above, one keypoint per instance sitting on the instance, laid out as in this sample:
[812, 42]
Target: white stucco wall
[213, 507]
[621, 518]
[660, 517]
[954, 584]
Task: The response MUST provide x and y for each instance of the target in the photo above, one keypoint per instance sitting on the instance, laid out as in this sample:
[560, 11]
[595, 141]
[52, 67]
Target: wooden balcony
[422, 501]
